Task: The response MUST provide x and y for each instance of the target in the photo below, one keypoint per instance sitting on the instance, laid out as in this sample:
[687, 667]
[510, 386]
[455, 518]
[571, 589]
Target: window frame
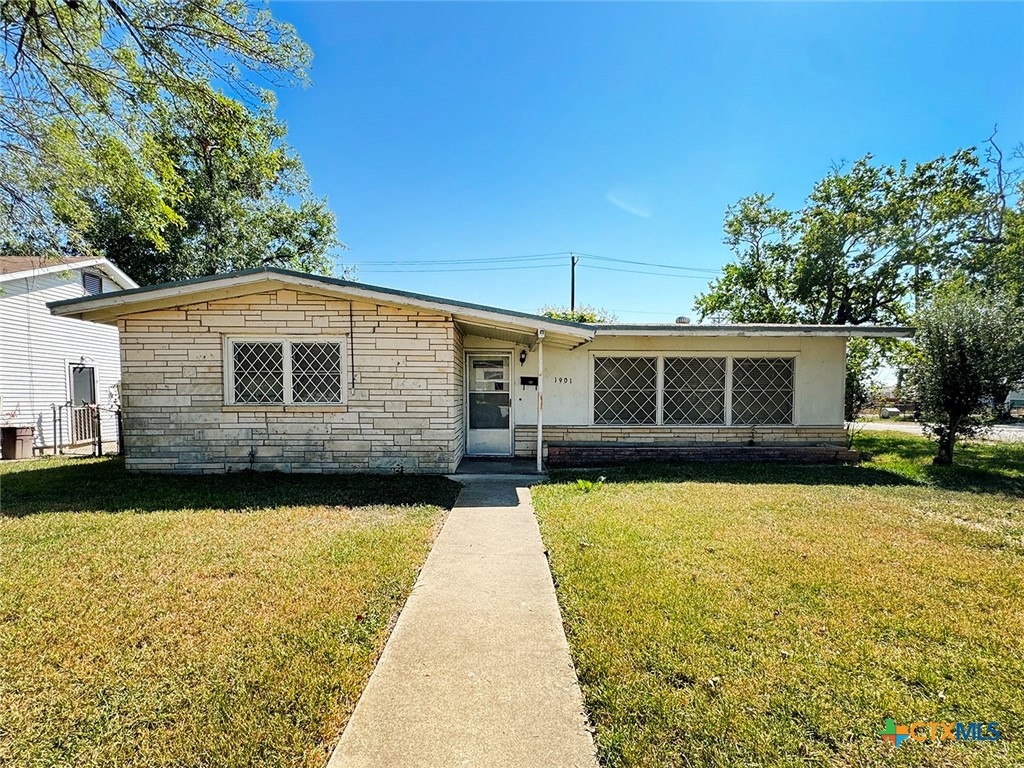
[726, 373]
[287, 341]
[793, 400]
[658, 389]
[661, 355]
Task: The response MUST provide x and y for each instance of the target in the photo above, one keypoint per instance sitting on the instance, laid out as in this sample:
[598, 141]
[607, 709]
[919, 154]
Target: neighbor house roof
[18, 267]
[477, 319]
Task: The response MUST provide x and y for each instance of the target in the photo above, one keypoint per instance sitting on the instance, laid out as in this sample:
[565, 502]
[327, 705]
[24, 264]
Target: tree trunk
[947, 441]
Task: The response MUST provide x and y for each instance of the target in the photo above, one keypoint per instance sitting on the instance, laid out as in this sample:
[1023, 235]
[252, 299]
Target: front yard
[196, 621]
[768, 616]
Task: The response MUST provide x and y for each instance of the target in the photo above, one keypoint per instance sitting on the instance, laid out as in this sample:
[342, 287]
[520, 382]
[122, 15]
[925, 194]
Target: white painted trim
[104, 265]
[540, 404]
[228, 367]
[867, 331]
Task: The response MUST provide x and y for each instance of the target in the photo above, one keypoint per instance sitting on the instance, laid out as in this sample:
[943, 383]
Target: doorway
[489, 404]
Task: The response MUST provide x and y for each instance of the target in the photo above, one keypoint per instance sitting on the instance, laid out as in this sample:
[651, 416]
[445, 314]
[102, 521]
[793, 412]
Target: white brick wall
[404, 409]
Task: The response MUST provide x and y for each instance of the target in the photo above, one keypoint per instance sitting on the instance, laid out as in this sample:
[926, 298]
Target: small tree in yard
[970, 346]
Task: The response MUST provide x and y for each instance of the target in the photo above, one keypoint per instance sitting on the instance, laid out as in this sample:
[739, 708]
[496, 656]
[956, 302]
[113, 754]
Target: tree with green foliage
[868, 239]
[248, 204]
[996, 260]
[583, 314]
[969, 346]
[85, 86]
[860, 366]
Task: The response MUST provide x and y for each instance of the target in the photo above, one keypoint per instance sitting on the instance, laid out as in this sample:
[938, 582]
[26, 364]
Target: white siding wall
[37, 348]
[820, 372]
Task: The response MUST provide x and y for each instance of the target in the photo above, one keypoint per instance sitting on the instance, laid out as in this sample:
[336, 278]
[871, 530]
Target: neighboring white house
[270, 369]
[47, 360]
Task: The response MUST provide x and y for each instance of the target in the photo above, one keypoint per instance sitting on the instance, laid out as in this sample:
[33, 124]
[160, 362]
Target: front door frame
[511, 400]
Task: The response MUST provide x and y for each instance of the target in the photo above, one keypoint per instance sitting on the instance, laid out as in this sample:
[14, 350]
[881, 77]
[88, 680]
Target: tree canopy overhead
[248, 204]
[86, 86]
[868, 238]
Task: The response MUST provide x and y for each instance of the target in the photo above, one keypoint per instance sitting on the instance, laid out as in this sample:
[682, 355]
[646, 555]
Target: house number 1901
[562, 380]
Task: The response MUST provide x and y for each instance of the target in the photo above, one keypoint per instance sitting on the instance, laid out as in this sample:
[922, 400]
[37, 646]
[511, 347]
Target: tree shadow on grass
[890, 460]
[105, 486]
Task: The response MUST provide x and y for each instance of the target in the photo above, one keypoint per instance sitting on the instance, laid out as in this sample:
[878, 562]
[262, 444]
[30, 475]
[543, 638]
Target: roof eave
[865, 331]
[108, 307]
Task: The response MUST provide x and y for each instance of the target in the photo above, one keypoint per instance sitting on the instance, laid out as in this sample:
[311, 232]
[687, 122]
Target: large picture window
[762, 390]
[625, 390]
[285, 371]
[694, 390]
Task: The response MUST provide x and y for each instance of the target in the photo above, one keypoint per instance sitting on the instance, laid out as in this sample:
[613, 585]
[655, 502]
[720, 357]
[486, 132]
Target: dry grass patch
[762, 615]
[228, 621]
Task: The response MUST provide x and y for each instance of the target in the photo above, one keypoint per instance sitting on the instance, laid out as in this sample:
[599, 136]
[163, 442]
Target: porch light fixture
[522, 357]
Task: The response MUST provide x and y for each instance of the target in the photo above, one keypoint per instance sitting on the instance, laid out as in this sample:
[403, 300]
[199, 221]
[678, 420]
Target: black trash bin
[16, 442]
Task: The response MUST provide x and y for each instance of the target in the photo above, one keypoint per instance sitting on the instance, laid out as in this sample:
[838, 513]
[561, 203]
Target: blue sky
[445, 132]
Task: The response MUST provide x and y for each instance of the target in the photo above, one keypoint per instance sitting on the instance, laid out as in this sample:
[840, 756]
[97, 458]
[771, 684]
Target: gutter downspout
[540, 400]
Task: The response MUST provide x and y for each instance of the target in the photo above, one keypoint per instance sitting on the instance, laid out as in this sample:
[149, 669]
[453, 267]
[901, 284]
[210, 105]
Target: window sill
[295, 408]
[691, 426]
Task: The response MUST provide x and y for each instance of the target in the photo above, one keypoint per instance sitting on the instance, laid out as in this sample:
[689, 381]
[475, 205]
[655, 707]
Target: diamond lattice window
[316, 372]
[259, 372]
[625, 390]
[762, 390]
[694, 390]
[287, 371]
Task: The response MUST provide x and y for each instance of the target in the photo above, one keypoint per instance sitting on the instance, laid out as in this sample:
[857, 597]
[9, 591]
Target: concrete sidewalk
[477, 670]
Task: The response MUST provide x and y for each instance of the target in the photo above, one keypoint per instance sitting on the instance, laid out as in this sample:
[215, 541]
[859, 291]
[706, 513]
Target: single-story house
[49, 362]
[272, 369]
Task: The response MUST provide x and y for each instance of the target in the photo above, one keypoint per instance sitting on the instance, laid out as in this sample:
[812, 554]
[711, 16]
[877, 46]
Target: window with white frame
[285, 371]
[625, 390]
[694, 390]
[762, 390]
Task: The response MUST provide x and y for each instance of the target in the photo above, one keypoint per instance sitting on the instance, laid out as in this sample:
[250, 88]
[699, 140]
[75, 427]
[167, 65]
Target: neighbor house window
[625, 390]
[285, 371]
[92, 283]
[694, 390]
[762, 390]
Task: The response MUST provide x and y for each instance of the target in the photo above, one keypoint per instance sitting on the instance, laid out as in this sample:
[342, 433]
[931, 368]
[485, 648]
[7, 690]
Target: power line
[462, 269]
[651, 264]
[537, 257]
[642, 272]
[481, 260]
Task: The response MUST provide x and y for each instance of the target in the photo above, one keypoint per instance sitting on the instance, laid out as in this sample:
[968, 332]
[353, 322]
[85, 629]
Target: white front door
[489, 405]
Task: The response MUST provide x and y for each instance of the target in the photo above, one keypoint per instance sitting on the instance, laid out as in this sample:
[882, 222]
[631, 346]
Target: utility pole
[573, 261]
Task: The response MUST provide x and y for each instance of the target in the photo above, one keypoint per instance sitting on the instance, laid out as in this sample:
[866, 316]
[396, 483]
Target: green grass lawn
[196, 621]
[762, 615]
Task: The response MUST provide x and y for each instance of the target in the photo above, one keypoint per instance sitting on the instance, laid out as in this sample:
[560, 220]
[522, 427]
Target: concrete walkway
[477, 670]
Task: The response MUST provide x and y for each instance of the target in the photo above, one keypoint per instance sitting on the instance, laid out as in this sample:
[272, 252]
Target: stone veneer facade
[404, 407]
[683, 436]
